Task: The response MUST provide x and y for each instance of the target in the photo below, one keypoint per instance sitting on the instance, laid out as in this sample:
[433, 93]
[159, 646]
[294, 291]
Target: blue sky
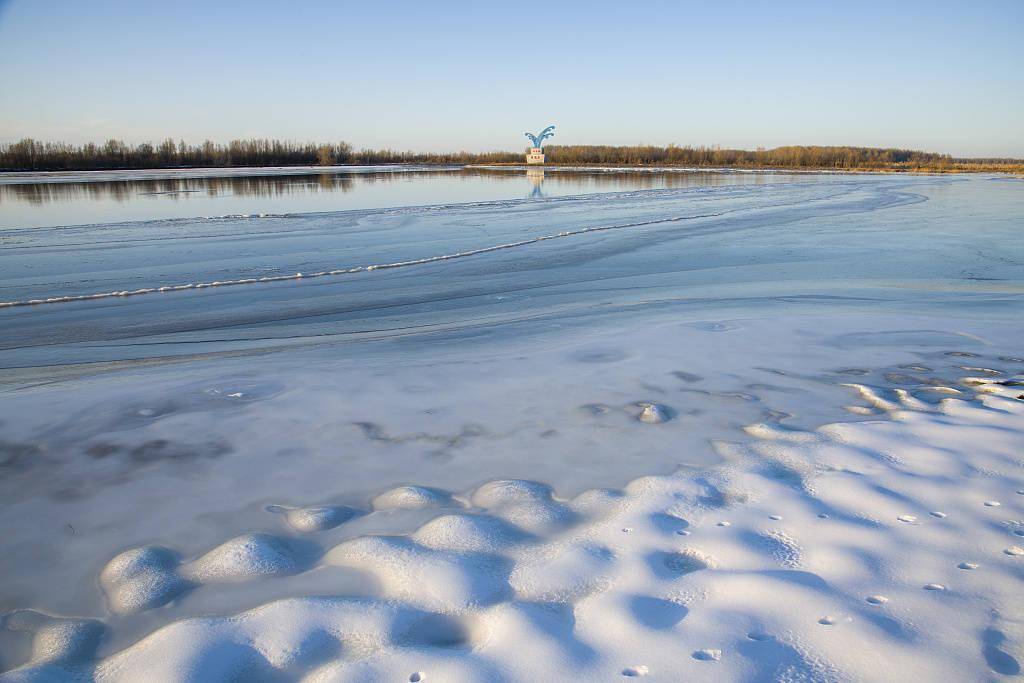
[942, 76]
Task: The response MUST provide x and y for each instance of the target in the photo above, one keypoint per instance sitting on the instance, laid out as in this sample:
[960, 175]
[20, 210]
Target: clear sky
[434, 75]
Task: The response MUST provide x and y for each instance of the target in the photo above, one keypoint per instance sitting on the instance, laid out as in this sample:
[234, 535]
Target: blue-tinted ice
[529, 338]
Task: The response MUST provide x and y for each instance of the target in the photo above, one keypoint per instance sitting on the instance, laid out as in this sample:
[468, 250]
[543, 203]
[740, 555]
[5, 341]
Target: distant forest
[33, 155]
[791, 157]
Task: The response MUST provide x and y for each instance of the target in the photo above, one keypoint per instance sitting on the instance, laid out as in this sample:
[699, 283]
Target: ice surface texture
[601, 583]
[431, 484]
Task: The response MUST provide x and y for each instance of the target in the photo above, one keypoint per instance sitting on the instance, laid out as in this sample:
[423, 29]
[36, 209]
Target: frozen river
[182, 359]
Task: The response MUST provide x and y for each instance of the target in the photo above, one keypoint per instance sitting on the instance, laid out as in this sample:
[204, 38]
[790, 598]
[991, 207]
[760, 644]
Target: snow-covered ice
[771, 431]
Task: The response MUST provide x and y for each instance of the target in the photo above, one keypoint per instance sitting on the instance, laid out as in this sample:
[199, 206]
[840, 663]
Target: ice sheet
[758, 444]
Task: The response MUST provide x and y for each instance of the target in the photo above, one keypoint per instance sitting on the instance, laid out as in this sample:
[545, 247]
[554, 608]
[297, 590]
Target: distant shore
[9, 177]
[37, 156]
[961, 168]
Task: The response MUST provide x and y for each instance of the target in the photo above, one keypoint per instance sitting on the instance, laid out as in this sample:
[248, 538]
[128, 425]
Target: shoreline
[13, 177]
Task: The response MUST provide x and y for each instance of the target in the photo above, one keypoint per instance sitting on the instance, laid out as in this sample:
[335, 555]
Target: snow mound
[245, 557]
[141, 579]
[312, 519]
[425, 577]
[413, 498]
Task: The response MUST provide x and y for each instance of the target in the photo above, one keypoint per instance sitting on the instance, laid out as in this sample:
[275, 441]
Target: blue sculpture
[537, 140]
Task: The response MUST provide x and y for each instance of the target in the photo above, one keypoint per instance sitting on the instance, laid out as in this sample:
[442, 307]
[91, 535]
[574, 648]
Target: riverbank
[35, 155]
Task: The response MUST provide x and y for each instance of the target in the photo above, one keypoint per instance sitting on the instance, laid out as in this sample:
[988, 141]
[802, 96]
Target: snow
[635, 456]
[471, 593]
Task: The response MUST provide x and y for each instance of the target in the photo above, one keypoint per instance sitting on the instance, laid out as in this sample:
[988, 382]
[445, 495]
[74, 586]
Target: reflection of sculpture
[536, 178]
[538, 139]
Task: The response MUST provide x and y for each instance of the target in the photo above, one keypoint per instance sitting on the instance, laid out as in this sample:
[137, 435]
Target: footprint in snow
[996, 657]
[635, 671]
[708, 655]
[833, 619]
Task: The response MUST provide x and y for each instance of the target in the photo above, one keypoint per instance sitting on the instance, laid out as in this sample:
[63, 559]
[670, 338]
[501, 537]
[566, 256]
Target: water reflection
[276, 186]
[79, 201]
[128, 190]
[536, 178]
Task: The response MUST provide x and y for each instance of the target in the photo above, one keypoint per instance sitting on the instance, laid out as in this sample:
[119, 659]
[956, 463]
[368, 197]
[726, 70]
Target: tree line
[35, 155]
[789, 157]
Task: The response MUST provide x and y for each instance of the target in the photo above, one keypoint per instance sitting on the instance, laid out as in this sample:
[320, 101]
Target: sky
[443, 76]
